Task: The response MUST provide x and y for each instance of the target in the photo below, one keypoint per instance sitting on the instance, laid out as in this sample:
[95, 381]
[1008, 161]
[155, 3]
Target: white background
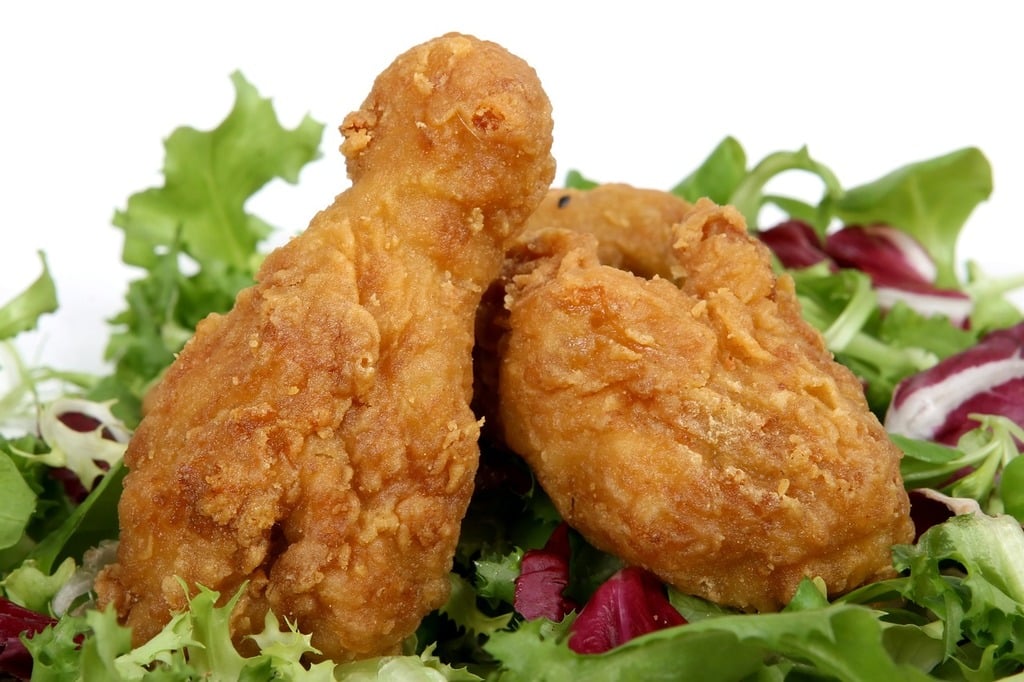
[641, 92]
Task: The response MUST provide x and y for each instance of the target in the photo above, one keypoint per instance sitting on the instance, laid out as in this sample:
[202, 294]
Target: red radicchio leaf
[794, 243]
[543, 576]
[1006, 399]
[14, 621]
[986, 378]
[630, 603]
[889, 256]
[899, 267]
[83, 423]
[928, 301]
[930, 508]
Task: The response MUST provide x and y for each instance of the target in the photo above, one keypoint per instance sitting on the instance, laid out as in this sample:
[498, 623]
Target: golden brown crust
[633, 225]
[316, 443]
[700, 429]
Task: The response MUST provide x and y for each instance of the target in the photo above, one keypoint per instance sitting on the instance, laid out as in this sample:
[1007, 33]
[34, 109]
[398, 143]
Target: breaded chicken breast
[633, 227]
[314, 447]
[698, 428]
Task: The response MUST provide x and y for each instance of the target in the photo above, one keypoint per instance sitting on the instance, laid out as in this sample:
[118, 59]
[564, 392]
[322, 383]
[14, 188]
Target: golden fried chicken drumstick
[699, 429]
[315, 443]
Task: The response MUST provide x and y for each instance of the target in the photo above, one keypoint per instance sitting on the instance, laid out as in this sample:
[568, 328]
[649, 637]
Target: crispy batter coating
[633, 225]
[315, 443]
[633, 228]
[699, 429]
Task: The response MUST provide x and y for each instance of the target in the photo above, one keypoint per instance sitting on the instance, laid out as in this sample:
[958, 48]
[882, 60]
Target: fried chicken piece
[633, 225]
[315, 444]
[700, 430]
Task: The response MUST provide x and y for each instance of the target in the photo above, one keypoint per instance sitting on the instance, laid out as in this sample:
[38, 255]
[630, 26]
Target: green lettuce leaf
[1011, 488]
[845, 642]
[34, 589]
[89, 523]
[968, 572]
[984, 466]
[409, 668]
[880, 349]
[930, 200]
[195, 644]
[575, 180]
[496, 575]
[718, 175]
[48, 507]
[991, 309]
[22, 312]
[17, 503]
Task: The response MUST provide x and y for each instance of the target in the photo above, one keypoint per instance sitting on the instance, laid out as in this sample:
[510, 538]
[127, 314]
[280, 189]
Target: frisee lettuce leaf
[496, 575]
[196, 644]
[425, 667]
[194, 238]
[968, 572]
[462, 607]
[208, 176]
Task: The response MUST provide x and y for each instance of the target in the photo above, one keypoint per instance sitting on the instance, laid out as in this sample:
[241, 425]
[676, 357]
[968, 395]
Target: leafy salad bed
[876, 271]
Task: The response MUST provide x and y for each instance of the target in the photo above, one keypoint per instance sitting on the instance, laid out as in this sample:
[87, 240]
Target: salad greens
[193, 237]
[955, 610]
[23, 311]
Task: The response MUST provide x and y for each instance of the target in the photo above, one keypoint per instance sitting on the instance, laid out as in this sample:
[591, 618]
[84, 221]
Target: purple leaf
[630, 603]
[930, 508]
[85, 423]
[80, 422]
[928, 301]
[543, 577]
[889, 256]
[1006, 399]
[15, 620]
[987, 378]
[794, 243]
[899, 267]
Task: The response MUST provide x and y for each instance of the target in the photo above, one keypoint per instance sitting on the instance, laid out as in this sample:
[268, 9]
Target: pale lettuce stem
[849, 322]
[844, 334]
[982, 285]
[748, 195]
